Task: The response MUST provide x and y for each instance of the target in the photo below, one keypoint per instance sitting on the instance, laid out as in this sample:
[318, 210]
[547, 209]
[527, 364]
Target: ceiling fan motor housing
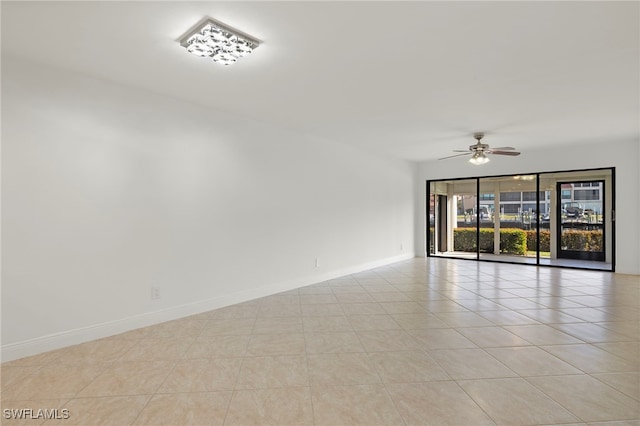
[479, 147]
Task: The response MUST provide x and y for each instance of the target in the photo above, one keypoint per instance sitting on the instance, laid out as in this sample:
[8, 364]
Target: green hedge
[579, 240]
[545, 240]
[518, 241]
[512, 241]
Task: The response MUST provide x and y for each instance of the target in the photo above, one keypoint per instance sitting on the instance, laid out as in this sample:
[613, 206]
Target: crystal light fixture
[212, 39]
[479, 158]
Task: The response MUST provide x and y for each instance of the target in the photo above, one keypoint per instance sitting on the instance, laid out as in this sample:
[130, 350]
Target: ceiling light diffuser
[211, 39]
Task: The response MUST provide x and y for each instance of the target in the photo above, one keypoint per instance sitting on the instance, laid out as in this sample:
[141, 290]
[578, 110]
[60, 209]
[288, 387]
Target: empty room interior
[320, 213]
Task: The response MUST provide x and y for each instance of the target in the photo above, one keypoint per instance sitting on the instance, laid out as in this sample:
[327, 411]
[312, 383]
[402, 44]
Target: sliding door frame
[606, 213]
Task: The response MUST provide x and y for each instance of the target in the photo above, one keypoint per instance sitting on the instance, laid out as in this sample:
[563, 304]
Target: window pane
[510, 196]
[592, 194]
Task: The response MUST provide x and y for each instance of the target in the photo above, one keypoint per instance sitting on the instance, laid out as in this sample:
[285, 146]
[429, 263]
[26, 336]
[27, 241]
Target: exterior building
[585, 195]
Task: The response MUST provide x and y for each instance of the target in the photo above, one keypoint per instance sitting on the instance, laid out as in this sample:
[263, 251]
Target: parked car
[485, 215]
[572, 209]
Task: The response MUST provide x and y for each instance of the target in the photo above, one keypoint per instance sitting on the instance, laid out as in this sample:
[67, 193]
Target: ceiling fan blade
[456, 155]
[511, 153]
[504, 148]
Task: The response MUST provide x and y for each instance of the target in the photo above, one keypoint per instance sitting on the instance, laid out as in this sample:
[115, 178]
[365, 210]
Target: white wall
[623, 155]
[108, 191]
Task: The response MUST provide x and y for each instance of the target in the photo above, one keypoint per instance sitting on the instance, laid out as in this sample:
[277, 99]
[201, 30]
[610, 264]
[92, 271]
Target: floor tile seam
[102, 371]
[500, 362]
[416, 382]
[149, 398]
[501, 346]
[63, 401]
[371, 364]
[435, 361]
[550, 308]
[535, 387]
[456, 327]
[172, 369]
[542, 347]
[382, 382]
[393, 403]
[475, 402]
[332, 302]
[635, 342]
[525, 377]
[118, 395]
[636, 398]
[601, 309]
[349, 302]
[594, 345]
[540, 389]
[308, 371]
[375, 370]
[553, 324]
[626, 339]
[534, 376]
[120, 357]
[582, 342]
[308, 375]
[17, 381]
[267, 387]
[237, 381]
[456, 380]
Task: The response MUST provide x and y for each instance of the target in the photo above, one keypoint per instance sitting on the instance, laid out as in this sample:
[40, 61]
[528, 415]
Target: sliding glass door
[551, 218]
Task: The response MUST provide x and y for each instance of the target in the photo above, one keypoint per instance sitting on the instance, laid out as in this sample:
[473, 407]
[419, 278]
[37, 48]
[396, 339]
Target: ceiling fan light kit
[480, 150]
[479, 158]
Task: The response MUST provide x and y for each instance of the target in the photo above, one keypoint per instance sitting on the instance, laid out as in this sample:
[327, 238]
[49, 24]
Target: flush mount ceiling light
[212, 39]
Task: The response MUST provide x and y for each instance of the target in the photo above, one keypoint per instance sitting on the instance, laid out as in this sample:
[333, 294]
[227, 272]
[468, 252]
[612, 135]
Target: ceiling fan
[480, 150]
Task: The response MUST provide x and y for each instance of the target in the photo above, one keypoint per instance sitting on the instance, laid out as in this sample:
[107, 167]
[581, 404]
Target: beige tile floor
[424, 341]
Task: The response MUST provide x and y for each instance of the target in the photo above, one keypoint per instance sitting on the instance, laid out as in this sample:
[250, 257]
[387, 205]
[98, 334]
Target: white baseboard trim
[67, 338]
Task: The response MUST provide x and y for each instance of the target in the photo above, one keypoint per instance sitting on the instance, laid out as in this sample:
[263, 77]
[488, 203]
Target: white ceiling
[409, 79]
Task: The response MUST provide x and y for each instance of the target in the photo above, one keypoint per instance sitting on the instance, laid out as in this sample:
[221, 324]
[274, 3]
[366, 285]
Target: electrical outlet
[155, 293]
[317, 262]
[401, 247]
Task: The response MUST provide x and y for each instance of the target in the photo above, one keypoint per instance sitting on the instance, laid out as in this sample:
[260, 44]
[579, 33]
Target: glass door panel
[438, 218]
[431, 222]
[509, 233]
[452, 218]
[489, 217]
[581, 231]
[547, 193]
[464, 200]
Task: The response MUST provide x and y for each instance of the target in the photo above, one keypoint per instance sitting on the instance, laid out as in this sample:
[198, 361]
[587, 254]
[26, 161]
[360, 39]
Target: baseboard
[67, 338]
